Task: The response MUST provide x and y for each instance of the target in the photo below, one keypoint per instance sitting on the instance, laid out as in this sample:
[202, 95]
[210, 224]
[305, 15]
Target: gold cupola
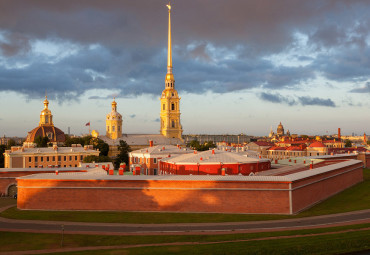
[46, 118]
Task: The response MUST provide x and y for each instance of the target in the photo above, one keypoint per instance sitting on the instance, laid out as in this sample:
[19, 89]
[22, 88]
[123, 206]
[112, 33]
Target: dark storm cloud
[278, 98]
[219, 46]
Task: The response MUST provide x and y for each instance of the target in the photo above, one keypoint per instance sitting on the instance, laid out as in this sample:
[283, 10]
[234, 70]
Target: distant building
[230, 139]
[280, 130]
[260, 147]
[46, 128]
[5, 140]
[213, 162]
[148, 158]
[25, 157]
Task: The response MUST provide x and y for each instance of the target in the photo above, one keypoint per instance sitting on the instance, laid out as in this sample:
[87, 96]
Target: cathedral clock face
[49, 135]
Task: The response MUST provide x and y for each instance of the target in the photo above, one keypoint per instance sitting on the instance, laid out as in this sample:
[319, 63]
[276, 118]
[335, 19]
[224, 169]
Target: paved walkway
[341, 219]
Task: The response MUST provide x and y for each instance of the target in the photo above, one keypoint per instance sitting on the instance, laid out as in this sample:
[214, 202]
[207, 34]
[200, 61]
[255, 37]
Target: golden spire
[169, 54]
[169, 75]
[114, 105]
[46, 102]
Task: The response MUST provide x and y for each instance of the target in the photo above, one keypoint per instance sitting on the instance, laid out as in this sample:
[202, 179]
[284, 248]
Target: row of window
[55, 166]
[52, 158]
[114, 128]
[142, 160]
[173, 107]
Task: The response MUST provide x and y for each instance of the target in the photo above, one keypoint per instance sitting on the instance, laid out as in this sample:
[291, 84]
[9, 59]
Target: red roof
[294, 148]
[317, 145]
[263, 143]
[277, 148]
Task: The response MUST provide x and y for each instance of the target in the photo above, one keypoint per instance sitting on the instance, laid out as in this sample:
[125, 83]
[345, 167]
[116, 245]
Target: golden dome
[169, 76]
[94, 134]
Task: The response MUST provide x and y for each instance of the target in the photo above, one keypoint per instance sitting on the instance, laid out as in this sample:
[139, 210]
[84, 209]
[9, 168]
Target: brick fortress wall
[247, 196]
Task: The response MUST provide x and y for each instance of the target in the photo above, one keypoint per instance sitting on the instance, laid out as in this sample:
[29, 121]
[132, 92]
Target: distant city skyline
[240, 66]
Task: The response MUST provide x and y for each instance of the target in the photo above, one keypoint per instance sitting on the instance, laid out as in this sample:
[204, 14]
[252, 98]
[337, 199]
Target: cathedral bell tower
[114, 123]
[170, 100]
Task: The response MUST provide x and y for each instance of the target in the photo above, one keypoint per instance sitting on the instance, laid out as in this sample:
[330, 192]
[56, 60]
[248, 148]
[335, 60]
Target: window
[47, 159]
[135, 159]
[70, 158]
[172, 107]
[29, 159]
[108, 128]
[65, 166]
[42, 159]
[36, 159]
[173, 123]
[82, 157]
[59, 158]
[75, 157]
[155, 160]
[113, 128]
[53, 158]
[164, 107]
[65, 158]
[118, 128]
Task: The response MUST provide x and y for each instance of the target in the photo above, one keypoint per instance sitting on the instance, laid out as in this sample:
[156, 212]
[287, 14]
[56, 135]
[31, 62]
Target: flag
[87, 124]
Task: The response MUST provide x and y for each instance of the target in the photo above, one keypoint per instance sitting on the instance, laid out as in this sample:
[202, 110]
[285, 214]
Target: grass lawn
[328, 244]
[9, 241]
[352, 199]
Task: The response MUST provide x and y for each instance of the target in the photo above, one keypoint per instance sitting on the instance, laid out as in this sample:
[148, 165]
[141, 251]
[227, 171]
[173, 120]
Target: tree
[41, 141]
[101, 145]
[77, 140]
[368, 142]
[11, 143]
[2, 150]
[123, 149]
[348, 144]
[93, 158]
[201, 147]
[88, 140]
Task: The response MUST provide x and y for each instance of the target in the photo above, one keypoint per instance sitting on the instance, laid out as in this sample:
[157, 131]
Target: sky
[241, 66]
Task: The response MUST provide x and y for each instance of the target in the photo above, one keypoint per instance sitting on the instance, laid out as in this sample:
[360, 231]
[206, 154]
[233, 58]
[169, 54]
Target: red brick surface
[186, 196]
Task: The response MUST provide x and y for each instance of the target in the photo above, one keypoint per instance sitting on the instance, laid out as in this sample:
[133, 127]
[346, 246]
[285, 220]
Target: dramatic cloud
[219, 46]
[277, 98]
[316, 101]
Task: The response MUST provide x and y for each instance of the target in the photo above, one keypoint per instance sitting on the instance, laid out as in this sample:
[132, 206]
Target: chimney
[150, 143]
[339, 137]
